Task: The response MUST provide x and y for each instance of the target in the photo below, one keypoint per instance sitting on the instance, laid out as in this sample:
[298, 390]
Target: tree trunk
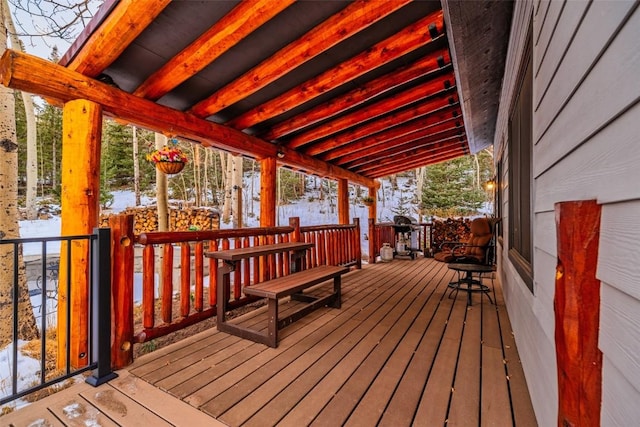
[30, 117]
[9, 228]
[136, 166]
[227, 169]
[236, 191]
[161, 190]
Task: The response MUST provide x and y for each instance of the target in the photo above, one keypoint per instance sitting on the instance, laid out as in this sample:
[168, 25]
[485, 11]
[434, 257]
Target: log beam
[437, 103]
[421, 33]
[378, 109]
[35, 75]
[80, 196]
[411, 140]
[373, 208]
[127, 19]
[268, 185]
[345, 23]
[422, 67]
[577, 307]
[223, 35]
[422, 161]
[343, 201]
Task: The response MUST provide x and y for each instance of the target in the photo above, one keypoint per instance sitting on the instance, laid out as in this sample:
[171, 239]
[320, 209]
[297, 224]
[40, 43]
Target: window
[520, 180]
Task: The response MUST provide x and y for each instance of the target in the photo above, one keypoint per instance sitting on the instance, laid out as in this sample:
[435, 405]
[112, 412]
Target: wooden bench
[291, 285]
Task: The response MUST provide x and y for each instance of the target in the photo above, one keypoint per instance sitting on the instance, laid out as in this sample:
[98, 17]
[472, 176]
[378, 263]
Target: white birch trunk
[136, 166]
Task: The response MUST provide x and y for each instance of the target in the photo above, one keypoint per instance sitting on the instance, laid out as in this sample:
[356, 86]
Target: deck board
[399, 352]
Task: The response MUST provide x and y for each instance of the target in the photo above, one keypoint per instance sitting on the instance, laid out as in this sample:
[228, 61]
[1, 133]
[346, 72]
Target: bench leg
[273, 323]
[336, 301]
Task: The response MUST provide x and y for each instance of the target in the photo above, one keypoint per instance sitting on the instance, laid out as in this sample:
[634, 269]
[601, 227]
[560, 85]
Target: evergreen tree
[453, 189]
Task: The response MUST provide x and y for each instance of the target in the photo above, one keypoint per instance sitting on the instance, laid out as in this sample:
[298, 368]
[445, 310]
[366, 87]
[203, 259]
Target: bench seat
[291, 285]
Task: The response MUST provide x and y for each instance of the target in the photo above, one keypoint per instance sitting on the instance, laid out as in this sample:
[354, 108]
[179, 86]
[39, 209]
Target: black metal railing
[40, 274]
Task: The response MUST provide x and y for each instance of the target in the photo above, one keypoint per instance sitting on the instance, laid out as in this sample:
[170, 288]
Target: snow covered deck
[398, 352]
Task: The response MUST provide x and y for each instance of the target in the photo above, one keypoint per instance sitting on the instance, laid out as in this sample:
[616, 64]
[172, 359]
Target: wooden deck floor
[399, 352]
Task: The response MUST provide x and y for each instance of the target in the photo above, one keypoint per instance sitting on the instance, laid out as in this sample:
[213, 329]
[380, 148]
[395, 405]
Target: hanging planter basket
[170, 168]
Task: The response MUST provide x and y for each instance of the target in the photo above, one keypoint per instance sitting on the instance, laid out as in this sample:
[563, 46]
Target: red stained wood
[35, 75]
[440, 140]
[378, 109]
[223, 35]
[199, 272]
[577, 308]
[80, 190]
[401, 43]
[167, 282]
[421, 109]
[343, 201]
[128, 19]
[185, 279]
[422, 161]
[413, 140]
[122, 291]
[369, 90]
[442, 116]
[148, 286]
[246, 265]
[237, 274]
[213, 274]
[348, 21]
[268, 174]
[430, 151]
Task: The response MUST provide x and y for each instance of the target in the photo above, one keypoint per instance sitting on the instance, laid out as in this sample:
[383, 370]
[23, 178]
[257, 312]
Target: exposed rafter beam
[443, 100]
[417, 164]
[411, 140]
[440, 139]
[128, 19]
[422, 157]
[224, 34]
[375, 110]
[422, 67]
[409, 39]
[354, 18]
[404, 129]
[35, 75]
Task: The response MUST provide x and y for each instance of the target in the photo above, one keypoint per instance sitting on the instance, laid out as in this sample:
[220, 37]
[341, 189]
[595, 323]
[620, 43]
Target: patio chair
[478, 249]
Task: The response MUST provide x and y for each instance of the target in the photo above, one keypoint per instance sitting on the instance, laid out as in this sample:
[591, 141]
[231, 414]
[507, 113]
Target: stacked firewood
[450, 230]
[190, 218]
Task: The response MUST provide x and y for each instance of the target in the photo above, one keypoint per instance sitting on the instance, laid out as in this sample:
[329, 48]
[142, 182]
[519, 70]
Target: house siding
[586, 132]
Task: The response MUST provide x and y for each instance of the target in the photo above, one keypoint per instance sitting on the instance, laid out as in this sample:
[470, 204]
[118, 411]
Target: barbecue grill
[406, 234]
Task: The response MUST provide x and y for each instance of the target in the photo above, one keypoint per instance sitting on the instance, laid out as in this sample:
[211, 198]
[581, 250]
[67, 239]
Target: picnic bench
[291, 285]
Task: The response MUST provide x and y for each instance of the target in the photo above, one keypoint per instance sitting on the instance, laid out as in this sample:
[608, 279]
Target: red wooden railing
[383, 232]
[334, 245]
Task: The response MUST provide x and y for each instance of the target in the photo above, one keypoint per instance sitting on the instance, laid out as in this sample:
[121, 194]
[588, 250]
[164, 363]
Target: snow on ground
[310, 209]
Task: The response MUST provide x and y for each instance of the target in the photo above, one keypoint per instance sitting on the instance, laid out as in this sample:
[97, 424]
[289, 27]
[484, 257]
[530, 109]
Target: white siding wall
[586, 62]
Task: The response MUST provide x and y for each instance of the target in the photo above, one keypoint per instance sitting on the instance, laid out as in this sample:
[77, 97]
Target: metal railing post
[101, 308]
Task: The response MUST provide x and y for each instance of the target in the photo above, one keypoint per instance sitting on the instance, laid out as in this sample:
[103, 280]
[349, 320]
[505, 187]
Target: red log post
[343, 201]
[122, 290]
[577, 308]
[372, 240]
[358, 246]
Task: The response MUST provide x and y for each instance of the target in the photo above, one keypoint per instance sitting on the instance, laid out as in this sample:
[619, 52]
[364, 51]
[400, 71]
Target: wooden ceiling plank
[420, 68]
[35, 75]
[428, 122]
[224, 34]
[354, 18]
[414, 139]
[417, 164]
[401, 43]
[128, 19]
[431, 105]
[424, 160]
[375, 110]
[431, 141]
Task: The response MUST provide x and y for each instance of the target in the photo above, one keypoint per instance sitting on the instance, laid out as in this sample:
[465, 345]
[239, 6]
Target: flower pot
[170, 168]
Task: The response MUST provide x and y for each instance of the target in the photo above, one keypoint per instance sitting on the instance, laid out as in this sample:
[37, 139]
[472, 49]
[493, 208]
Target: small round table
[468, 283]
